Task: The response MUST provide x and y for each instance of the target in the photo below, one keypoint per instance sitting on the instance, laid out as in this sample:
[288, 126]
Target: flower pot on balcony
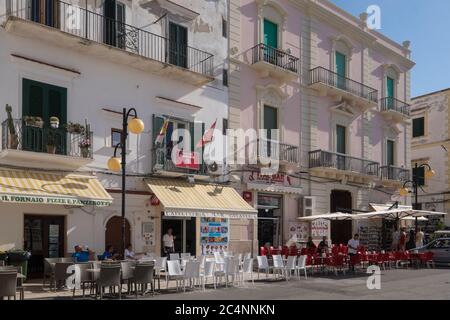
[84, 152]
[51, 149]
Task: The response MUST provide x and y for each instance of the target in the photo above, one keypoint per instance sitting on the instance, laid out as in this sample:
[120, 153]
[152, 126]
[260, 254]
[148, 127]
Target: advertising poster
[299, 231]
[319, 228]
[213, 235]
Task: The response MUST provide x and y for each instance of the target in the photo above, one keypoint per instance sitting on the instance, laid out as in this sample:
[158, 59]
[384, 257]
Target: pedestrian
[169, 242]
[353, 245]
[419, 238]
[411, 240]
[402, 240]
[395, 239]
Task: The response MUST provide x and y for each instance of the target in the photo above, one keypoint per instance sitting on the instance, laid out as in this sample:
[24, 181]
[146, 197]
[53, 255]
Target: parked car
[440, 248]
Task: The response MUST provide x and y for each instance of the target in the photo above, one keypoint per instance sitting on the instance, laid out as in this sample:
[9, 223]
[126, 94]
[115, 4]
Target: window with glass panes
[418, 127]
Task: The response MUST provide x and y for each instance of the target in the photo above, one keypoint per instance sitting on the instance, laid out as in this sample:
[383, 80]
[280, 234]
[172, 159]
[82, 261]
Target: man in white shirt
[129, 254]
[419, 238]
[168, 242]
[353, 245]
[395, 239]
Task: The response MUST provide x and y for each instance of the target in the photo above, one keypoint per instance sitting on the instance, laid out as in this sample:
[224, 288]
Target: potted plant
[72, 127]
[54, 122]
[31, 121]
[85, 146]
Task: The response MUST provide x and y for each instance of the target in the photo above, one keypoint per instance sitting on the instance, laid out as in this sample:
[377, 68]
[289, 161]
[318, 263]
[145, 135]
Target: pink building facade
[338, 94]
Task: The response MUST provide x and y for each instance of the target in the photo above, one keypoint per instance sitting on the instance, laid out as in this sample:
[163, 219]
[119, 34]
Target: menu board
[214, 235]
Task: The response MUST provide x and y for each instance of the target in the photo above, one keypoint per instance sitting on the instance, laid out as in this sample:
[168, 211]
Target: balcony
[281, 152]
[37, 146]
[337, 166]
[330, 83]
[394, 109]
[275, 62]
[394, 176]
[164, 164]
[86, 31]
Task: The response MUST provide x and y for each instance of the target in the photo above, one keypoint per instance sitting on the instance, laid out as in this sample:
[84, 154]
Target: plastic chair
[109, 277]
[127, 272]
[337, 263]
[208, 272]
[143, 275]
[174, 256]
[174, 272]
[191, 273]
[61, 273]
[8, 284]
[290, 266]
[186, 255]
[231, 270]
[263, 264]
[301, 265]
[247, 268]
[160, 266]
[85, 276]
[278, 264]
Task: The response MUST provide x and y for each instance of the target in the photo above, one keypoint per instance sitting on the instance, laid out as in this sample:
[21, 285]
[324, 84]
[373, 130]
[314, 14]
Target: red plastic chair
[427, 259]
[337, 263]
[334, 249]
[303, 251]
[263, 251]
[293, 251]
[285, 251]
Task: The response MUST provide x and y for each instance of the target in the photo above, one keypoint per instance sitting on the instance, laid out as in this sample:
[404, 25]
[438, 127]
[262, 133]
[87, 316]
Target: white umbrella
[397, 214]
[411, 218]
[328, 216]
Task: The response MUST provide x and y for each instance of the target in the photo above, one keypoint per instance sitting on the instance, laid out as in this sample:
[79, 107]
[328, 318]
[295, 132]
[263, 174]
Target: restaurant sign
[319, 228]
[278, 178]
[31, 199]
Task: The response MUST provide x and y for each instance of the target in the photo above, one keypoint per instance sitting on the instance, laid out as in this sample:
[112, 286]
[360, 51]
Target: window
[270, 120]
[116, 137]
[224, 28]
[390, 152]
[225, 77]
[420, 174]
[418, 127]
[341, 69]
[178, 40]
[340, 139]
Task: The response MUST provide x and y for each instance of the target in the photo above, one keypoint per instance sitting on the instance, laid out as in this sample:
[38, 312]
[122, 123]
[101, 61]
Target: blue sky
[426, 23]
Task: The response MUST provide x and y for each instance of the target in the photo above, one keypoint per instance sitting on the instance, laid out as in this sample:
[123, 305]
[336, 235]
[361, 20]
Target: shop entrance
[269, 220]
[44, 238]
[184, 231]
[341, 231]
[113, 233]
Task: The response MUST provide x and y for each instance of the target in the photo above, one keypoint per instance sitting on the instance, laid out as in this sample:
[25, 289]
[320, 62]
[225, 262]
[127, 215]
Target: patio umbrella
[411, 218]
[397, 214]
[328, 216]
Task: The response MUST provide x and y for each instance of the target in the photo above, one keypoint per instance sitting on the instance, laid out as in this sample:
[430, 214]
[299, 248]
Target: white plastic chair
[191, 273]
[263, 264]
[201, 260]
[247, 268]
[220, 261]
[160, 266]
[227, 254]
[231, 270]
[290, 266]
[240, 260]
[278, 264]
[174, 272]
[208, 272]
[174, 256]
[301, 265]
[185, 255]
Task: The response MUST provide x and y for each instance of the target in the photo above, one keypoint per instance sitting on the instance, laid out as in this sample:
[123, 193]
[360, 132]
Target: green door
[341, 69]
[45, 101]
[270, 34]
[340, 147]
[178, 39]
[390, 93]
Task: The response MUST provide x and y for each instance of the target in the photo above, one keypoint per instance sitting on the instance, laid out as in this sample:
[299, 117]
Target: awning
[20, 186]
[328, 216]
[396, 214]
[273, 188]
[183, 199]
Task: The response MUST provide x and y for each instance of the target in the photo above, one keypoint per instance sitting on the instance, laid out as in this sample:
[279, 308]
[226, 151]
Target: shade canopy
[328, 216]
[411, 218]
[397, 214]
[30, 187]
[183, 199]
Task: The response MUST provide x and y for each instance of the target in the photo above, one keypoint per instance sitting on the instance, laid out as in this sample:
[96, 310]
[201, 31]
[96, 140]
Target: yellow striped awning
[21, 186]
[183, 199]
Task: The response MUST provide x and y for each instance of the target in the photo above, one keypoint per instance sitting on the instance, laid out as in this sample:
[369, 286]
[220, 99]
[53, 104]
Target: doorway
[341, 231]
[184, 231]
[45, 12]
[113, 233]
[44, 238]
[269, 220]
[178, 49]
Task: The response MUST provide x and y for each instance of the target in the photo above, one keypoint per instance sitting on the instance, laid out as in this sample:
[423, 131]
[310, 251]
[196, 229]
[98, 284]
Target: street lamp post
[135, 126]
[404, 191]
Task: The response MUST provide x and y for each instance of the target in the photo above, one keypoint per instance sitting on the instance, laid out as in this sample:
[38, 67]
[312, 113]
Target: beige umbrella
[328, 216]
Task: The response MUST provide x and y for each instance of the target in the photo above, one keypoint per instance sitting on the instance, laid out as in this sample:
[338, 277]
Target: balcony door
[341, 146]
[390, 92]
[178, 40]
[45, 101]
[270, 41]
[341, 231]
[390, 158]
[114, 30]
[341, 70]
[270, 123]
[45, 12]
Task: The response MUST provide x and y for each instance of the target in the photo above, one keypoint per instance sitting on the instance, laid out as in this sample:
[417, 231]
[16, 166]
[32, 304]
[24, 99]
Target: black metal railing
[326, 159]
[162, 160]
[101, 29]
[394, 173]
[277, 57]
[392, 104]
[16, 135]
[273, 149]
[330, 78]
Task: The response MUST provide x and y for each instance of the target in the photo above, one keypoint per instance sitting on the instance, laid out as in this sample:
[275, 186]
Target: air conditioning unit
[215, 169]
[308, 206]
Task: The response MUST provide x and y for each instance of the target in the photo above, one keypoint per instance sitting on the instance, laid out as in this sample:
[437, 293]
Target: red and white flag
[207, 136]
[162, 132]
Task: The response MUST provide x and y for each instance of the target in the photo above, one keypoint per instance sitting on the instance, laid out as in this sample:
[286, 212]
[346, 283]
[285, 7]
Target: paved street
[395, 284]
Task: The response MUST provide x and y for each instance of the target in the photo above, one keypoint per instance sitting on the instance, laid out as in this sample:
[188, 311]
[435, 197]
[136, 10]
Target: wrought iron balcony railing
[101, 29]
[276, 150]
[162, 160]
[393, 104]
[330, 78]
[277, 57]
[326, 159]
[394, 173]
[16, 135]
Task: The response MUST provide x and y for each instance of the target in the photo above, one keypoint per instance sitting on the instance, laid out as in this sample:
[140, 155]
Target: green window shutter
[418, 127]
[419, 173]
[390, 87]
[340, 139]
[178, 39]
[157, 123]
[270, 34]
[341, 69]
[390, 150]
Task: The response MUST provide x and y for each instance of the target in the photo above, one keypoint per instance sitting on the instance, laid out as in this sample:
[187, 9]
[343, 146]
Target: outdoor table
[323, 262]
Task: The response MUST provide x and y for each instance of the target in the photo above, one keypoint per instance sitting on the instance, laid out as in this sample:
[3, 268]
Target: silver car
[440, 248]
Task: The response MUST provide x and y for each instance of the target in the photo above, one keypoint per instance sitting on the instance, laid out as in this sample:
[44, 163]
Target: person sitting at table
[310, 244]
[323, 246]
[129, 253]
[109, 253]
[81, 255]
